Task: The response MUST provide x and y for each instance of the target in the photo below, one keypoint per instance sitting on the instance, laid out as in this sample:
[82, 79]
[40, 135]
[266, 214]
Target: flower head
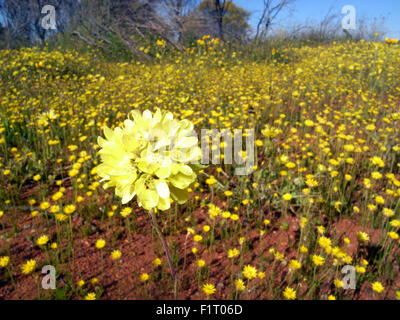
[208, 289]
[100, 244]
[42, 240]
[152, 156]
[377, 287]
[250, 272]
[90, 296]
[289, 293]
[116, 254]
[29, 266]
[4, 261]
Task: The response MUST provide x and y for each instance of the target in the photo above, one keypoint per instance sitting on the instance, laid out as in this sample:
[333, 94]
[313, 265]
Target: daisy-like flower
[116, 254]
[362, 236]
[208, 289]
[69, 209]
[152, 156]
[4, 261]
[377, 287]
[287, 197]
[318, 260]
[144, 277]
[289, 293]
[90, 296]
[42, 240]
[201, 263]
[239, 284]
[29, 266]
[232, 253]
[250, 272]
[100, 243]
[157, 262]
[294, 264]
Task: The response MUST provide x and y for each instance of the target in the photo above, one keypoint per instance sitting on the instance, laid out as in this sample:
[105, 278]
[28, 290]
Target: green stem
[174, 273]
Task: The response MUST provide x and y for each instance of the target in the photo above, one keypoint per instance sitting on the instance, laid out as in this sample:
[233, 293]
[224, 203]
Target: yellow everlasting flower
[151, 156]
[208, 289]
[29, 266]
[4, 261]
[289, 293]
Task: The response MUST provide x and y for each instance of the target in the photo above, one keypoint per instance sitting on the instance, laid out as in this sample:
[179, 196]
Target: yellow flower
[214, 211]
[90, 296]
[362, 236]
[318, 260]
[232, 253]
[208, 289]
[309, 123]
[393, 235]
[36, 177]
[303, 249]
[379, 200]
[395, 223]
[57, 196]
[239, 284]
[377, 287]
[81, 283]
[324, 242]
[116, 254]
[287, 197]
[42, 240]
[289, 293]
[44, 205]
[126, 212]
[338, 283]
[249, 272]
[201, 263]
[228, 193]
[331, 297]
[294, 264]
[69, 209]
[4, 261]
[29, 266]
[360, 269]
[376, 175]
[388, 212]
[377, 161]
[157, 262]
[144, 277]
[55, 209]
[100, 244]
[151, 157]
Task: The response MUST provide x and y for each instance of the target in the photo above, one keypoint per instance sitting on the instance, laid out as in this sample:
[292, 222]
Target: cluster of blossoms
[153, 156]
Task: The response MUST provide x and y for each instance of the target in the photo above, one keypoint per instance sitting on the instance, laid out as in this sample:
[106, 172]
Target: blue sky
[315, 10]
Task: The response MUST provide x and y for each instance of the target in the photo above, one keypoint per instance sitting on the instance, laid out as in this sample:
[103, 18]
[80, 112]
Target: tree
[223, 19]
[271, 10]
[178, 12]
[22, 19]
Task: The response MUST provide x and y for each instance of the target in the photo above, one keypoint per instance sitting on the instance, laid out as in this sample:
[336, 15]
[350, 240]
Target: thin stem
[174, 273]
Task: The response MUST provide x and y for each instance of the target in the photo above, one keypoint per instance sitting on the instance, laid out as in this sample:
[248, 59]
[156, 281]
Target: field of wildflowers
[78, 193]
